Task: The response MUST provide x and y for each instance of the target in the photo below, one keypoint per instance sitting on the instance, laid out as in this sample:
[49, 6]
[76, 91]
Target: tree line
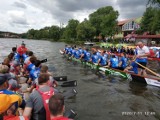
[102, 22]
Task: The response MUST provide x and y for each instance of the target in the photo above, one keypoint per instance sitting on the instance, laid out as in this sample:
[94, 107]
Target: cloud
[131, 8]
[63, 10]
[36, 14]
[17, 18]
[20, 5]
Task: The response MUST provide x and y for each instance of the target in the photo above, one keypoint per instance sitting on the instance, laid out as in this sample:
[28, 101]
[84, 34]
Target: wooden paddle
[148, 69]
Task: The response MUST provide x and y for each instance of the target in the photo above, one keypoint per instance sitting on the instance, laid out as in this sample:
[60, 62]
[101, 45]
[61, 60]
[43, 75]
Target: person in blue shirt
[34, 74]
[133, 68]
[77, 54]
[123, 61]
[86, 55]
[70, 51]
[113, 63]
[73, 51]
[80, 50]
[103, 59]
[94, 57]
[66, 50]
[17, 57]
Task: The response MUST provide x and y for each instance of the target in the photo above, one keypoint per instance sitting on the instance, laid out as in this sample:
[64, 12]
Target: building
[127, 27]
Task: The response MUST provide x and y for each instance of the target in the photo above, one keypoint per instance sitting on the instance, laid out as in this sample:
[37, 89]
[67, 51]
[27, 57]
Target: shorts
[142, 63]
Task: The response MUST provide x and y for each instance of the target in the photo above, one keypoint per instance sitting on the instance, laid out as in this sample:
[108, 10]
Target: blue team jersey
[84, 51]
[98, 54]
[30, 67]
[95, 58]
[17, 56]
[70, 51]
[106, 55]
[73, 51]
[134, 67]
[80, 51]
[8, 92]
[34, 73]
[66, 50]
[142, 60]
[114, 62]
[24, 56]
[124, 62]
[87, 56]
[77, 54]
[103, 60]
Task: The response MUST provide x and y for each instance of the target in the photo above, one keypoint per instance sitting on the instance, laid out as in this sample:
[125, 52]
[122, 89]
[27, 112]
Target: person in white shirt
[142, 54]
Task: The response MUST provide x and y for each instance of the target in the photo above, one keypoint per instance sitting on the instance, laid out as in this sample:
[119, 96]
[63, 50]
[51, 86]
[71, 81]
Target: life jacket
[45, 98]
[152, 54]
[21, 50]
[61, 118]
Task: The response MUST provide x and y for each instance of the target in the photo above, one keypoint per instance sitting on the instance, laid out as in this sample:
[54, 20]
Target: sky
[21, 15]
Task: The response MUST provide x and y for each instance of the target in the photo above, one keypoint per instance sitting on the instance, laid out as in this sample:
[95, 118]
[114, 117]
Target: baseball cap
[13, 85]
[3, 78]
[7, 101]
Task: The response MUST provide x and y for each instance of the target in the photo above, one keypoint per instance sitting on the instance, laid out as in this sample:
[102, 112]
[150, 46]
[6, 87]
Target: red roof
[147, 36]
[123, 22]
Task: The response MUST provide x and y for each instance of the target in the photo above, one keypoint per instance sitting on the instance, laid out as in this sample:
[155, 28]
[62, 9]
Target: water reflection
[137, 88]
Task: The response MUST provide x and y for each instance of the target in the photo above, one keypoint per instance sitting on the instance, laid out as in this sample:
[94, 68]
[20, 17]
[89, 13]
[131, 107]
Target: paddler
[133, 68]
[142, 54]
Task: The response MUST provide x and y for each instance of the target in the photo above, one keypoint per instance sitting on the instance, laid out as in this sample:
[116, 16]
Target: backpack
[45, 98]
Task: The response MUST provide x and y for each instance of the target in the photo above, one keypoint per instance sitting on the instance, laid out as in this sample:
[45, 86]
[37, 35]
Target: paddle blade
[60, 78]
[70, 114]
[44, 60]
[69, 84]
[70, 93]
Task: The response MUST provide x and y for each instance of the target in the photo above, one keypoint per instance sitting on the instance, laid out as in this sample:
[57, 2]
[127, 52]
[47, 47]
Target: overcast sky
[22, 15]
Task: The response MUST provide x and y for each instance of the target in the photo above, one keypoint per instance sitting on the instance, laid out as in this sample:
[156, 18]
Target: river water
[99, 97]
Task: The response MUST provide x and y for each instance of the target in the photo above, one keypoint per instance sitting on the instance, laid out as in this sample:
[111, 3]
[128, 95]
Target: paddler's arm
[127, 68]
[27, 112]
[81, 56]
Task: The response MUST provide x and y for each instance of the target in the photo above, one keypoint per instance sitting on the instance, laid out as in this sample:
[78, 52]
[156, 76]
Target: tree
[104, 20]
[31, 33]
[85, 31]
[150, 21]
[154, 2]
[54, 33]
[70, 30]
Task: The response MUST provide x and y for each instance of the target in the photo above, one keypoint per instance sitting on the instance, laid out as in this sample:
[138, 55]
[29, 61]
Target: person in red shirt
[152, 54]
[56, 107]
[22, 49]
